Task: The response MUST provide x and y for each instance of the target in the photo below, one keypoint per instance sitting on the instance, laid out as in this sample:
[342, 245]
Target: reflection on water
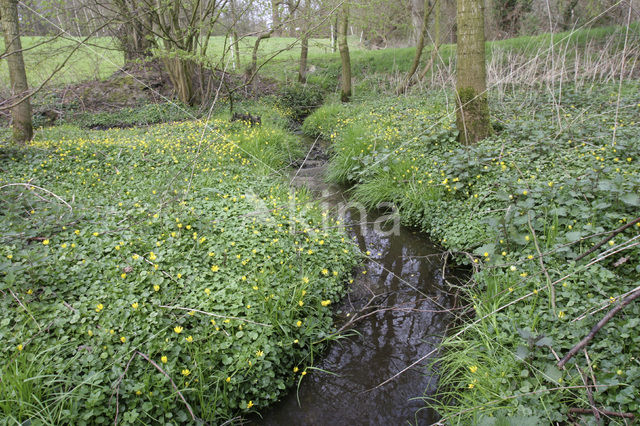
[403, 321]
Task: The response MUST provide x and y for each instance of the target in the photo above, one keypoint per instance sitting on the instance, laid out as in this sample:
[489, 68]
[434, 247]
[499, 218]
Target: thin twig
[214, 315]
[552, 290]
[28, 185]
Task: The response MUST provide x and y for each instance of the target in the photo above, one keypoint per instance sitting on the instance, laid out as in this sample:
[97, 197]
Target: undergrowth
[519, 208]
[140, 266]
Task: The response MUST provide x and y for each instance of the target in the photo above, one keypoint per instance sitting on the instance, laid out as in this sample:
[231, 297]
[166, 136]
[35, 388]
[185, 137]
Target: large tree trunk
[473, 120]
[21, 112]
[181, 75]
[404, 84]
[343, 46]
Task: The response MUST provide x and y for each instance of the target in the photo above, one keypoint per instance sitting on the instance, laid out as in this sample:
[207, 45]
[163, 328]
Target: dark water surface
[404, 320]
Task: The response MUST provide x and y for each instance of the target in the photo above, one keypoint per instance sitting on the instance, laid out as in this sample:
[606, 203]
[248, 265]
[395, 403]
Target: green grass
[190, 214]
[559, 184]
[373, 70]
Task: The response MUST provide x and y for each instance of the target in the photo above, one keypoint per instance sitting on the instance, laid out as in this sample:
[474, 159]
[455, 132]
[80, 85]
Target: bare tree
[20, 111]
[473, 120]
[275, 28]
[404, 84]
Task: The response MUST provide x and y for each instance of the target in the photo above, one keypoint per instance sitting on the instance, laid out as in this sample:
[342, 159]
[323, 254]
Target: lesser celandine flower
[178, 329]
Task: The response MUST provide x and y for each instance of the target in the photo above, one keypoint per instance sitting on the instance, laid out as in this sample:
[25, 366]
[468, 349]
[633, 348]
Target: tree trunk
[253, 66]
[404, 84]
[304, 52]
[234, 35]
[473, 120]
[436, 45]
[334, 35]
[275, 17]
[134, 36]
[343, 46]
[304, 44]
[20, 113]
[181, 75]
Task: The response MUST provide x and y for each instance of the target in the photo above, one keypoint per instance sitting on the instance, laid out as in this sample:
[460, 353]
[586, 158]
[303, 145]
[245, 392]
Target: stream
[398, 309]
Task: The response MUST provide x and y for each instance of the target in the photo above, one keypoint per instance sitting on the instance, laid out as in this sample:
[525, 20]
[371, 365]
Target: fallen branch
[584, 342]
[606, 240]
[605, 412]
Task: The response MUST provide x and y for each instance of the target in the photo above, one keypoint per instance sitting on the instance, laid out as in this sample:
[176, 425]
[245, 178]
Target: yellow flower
[189, 339]
[250, 404]
[207, 291]
[215, 268]
[156, 287]
[259, 353]
[95, 234]
[213, 322]
[45, 242]
[123, 275]
[77, 232]
[301, 303]
[325, 271]
[152, 256]
[63, 245]
[295, 369]
[325, 302]
[9, 256]
[134, 305]
[20, 347]
[135, 257]
[304, 373]
[473, 368]
[185, 372]
[305, 280]
[30, 291]
[179, 275]
[123, 339]
[561, 314]
[299, 323]
[99, 307]
[178, 329]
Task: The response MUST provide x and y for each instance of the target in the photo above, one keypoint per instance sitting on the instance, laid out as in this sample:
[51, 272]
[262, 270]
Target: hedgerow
[139, 267]
[519, 208]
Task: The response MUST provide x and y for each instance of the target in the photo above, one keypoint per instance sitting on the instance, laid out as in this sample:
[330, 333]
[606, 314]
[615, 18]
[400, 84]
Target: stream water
[399, 311]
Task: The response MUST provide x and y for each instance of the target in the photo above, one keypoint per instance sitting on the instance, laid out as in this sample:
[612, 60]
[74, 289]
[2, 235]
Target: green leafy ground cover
[548, 185]
[180, 215]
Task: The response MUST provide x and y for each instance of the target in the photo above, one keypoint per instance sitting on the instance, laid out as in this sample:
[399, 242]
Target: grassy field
[518, 208]
[373, 70]
[99, 58]
[143, 266]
